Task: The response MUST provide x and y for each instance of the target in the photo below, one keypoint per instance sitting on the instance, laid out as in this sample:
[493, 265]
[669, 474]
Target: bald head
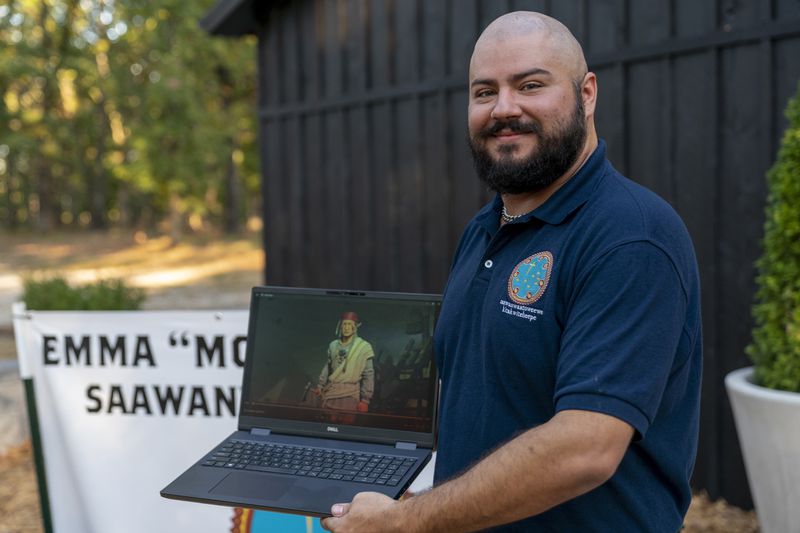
[547, 31]
[531, 104]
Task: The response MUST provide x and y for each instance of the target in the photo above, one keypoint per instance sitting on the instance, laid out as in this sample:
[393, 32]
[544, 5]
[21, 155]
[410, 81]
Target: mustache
[514, 126]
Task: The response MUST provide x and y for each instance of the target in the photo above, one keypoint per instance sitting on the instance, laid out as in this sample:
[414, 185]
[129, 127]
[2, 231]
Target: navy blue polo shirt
[590, 302]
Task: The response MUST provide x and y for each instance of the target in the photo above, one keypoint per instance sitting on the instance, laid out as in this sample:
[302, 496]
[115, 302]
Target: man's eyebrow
[513, 77]
[484, 81]
[531, 72]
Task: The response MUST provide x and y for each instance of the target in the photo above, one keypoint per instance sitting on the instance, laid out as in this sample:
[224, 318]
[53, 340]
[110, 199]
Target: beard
[555, 153]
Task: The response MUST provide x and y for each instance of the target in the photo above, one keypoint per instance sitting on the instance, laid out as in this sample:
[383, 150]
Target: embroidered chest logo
[529, 278]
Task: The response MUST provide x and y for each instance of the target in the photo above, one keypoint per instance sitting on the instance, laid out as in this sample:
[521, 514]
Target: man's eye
[483, 93]
[531, 85]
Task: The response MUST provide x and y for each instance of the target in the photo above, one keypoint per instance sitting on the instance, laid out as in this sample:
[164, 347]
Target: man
[347, 380]
[569, 337]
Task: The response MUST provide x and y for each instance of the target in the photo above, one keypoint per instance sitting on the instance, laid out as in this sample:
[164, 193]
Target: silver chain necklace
[510, 218]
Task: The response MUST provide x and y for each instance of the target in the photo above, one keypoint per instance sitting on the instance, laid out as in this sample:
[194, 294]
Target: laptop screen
[342, 358]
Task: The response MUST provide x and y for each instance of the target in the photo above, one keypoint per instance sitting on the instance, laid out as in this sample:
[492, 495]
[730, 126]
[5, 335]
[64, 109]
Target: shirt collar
[489, 216]
[573, 194]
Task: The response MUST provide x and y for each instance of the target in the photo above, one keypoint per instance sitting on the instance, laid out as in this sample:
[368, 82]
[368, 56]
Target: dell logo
[333, 429]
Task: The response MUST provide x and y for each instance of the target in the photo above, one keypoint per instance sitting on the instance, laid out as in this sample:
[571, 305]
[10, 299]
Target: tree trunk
[175, 218]
[47, 187]
[123, 204]
[99, 187]
[233, 191]
[43, 181]
[233, 195]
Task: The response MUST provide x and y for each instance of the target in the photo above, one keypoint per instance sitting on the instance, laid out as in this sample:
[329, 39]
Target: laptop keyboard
[311, 462]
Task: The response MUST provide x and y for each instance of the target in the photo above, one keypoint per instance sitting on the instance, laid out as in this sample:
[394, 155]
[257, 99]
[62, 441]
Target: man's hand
[369, 511]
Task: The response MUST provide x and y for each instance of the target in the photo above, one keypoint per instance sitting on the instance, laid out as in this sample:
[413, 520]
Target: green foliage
[776, 338]
[123, 113]
[56, 294]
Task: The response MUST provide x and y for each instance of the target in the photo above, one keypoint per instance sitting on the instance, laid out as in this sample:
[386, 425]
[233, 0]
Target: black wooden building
[367, 179]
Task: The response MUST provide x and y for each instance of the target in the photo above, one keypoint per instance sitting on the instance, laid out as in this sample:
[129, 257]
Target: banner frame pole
[38, 455]
[19, 313]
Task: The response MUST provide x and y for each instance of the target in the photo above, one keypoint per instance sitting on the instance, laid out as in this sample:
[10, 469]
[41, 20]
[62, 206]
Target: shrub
[775, 349]
[56, 294]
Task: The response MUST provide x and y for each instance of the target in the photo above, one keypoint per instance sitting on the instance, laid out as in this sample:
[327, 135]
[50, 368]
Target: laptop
[339, 396]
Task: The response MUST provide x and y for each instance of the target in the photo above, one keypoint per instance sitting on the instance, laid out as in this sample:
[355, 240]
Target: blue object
[590, 302]
[267, 522]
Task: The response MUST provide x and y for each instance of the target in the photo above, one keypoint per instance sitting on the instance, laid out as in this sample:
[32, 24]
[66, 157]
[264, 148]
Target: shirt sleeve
[622, 332]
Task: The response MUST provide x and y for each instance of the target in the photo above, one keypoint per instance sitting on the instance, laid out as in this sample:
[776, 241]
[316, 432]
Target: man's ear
[589, 93]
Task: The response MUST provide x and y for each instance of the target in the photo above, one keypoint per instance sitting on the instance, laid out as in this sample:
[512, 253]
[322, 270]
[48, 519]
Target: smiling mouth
[508, 132]
[509, 135]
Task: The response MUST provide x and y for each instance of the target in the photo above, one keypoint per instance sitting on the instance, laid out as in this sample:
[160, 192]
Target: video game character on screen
[376, 371]
[347, 380]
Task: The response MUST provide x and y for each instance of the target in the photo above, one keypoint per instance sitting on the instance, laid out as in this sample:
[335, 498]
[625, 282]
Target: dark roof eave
[232, 18]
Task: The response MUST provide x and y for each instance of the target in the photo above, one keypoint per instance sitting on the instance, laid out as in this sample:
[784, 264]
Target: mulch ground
[19, 497]
[19, 502]
[718, 517]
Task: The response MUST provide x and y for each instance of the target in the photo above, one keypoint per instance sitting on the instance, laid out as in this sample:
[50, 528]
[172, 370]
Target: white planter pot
[768, 425]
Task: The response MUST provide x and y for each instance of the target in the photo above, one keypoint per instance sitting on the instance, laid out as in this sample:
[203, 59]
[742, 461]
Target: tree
[124, 113]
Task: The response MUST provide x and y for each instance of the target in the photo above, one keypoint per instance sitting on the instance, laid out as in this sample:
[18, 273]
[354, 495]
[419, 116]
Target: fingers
[337, 510]
[329, 524]
[340, 509]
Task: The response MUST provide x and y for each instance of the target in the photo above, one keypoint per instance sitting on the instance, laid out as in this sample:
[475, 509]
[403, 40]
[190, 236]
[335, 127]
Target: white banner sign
[127, 401]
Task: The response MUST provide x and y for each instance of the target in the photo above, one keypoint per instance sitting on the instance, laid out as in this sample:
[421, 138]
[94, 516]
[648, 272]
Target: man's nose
[505, 106]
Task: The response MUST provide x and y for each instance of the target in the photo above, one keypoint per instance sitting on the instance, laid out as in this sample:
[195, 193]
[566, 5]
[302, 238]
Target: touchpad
[248, 485]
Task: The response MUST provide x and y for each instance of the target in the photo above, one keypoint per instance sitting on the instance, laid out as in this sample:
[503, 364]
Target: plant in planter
[776, 338]
[766, 397]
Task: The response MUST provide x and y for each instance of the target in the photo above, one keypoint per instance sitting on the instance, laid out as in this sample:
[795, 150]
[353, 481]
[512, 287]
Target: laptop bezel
[326, 430]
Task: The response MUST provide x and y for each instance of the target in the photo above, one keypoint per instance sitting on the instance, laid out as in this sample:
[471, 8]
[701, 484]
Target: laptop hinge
[260, 432]
[405, 446]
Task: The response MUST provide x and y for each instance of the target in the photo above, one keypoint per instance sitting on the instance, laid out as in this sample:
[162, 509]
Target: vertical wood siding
[368, 180]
